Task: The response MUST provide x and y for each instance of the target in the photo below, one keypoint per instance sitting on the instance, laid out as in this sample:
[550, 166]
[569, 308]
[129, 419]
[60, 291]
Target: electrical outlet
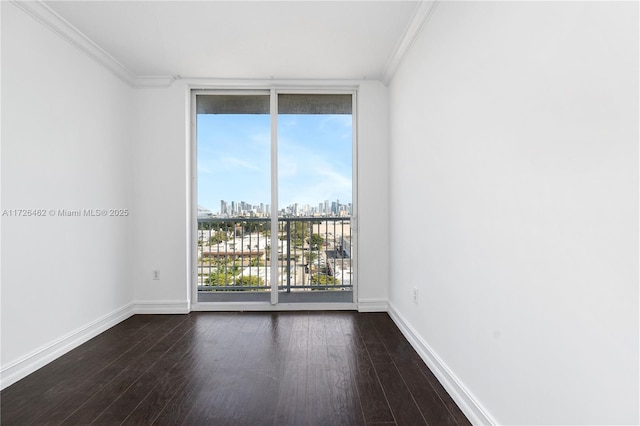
[156, 274]
[415, 295]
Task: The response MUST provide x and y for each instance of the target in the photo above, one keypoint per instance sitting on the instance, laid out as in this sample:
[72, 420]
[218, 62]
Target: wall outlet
[415, 295]
[156, 274]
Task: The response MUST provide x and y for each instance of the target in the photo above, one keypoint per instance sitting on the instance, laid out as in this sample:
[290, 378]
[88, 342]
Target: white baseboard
[465, 400]
[161, 307]
[266, 306]
[29, 363]
[373, 305]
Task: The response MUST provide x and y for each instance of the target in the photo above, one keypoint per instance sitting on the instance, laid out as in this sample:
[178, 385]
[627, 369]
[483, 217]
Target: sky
[314, 159]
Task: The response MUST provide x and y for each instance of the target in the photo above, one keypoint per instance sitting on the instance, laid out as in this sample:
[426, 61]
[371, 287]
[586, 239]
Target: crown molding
[153, 81]
[56, 23]
[420, 17]
[45, 15]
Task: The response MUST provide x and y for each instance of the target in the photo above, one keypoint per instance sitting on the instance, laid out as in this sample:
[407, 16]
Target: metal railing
[234, 254]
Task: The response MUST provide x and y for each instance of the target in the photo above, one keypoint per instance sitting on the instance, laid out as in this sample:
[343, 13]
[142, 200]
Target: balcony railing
[312, 254]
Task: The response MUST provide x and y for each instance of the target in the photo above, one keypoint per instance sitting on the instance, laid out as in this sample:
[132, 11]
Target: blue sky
[314, 159]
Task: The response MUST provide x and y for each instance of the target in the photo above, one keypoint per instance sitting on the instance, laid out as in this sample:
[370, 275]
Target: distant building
[204, 213]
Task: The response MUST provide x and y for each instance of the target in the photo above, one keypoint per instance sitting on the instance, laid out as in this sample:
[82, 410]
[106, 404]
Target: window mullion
[274, 196]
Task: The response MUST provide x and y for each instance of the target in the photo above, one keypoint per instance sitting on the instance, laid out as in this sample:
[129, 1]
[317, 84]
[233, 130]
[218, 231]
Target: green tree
[222, 261]
[255, 262]
[299, 233]
[219, 279]
[310, 256]
[249, 281]
[232, 269]
[323, 279]
[315, 241]
[218, 237]
[257, 226]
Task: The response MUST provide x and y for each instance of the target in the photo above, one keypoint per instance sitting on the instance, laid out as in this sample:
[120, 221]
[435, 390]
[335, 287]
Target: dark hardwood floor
[286, 368]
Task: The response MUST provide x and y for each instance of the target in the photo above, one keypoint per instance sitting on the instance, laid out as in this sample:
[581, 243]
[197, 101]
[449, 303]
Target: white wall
[160, 182]
[65, 145]
[160, 197]
[514, 206]
[373, 196]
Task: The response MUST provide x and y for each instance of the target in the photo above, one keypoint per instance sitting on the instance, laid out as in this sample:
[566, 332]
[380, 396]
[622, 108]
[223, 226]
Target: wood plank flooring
[206, 368]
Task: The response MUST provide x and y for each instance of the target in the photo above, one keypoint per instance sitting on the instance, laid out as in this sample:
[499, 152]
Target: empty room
[319, 212]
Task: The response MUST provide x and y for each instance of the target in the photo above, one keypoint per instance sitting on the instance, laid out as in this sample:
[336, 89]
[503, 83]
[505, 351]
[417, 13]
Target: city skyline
[242, 208]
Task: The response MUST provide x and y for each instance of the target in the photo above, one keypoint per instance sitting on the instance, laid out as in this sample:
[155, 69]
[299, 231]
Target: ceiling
[245, 39]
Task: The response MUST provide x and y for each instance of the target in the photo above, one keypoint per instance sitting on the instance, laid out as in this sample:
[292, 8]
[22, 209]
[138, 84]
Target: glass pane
[233, 149]
[315, 138]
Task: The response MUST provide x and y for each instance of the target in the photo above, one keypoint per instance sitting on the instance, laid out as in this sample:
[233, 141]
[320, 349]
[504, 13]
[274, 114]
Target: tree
[219, 279]
[315, 241]
[249, 281]
[255, 262]
[299, 232]
[229, 267]
[261, 226]
[310, 256]
[222, 260]
[323, 280]
[218, 237]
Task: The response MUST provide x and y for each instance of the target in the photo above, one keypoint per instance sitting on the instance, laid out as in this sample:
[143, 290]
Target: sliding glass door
[274, 192]
[315, 140]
